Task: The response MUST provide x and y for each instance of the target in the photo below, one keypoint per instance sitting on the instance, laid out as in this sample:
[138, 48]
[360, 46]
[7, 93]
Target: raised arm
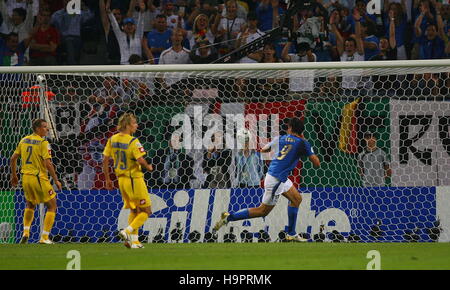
[29, 19]
[392, 41]
[215, 26]
[404, 7]
[131, 7]
[103, 14]
[4, 12]
[285, 52]
[114, 25]
[386, 6]
[140, 21]
[439, 21]
[339, 38]
[417, 24]
[275, 13]
[359, 41]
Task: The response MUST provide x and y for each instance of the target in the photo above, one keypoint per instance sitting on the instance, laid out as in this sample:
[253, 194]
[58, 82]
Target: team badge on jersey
[49, 148]
[142, 202]
[140, 147]
[50, 192]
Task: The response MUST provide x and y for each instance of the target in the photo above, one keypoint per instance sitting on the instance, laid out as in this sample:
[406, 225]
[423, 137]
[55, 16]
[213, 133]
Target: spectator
[203, 52]
[158, 39]
[388, 47]
[302, 80]
[69, 26]
[330, 5]
[308, 28]
[200, 30]
[196, 7]
[44, 41]
[110, 89]
[351, 49]
[424, 16]
[13, 4]
[100, 120]
[12, 52]
[20, 22]
[174, 85]
[250, 34]
[270, 87]
[131, 38]
[361, 7]
[173, 168]
[431, 46]
[112, 45]
[373, 163]
[216, 164]
[150, 13]
[173, 20]
[268, 13]
[226, 29]
[70, 94]
[396, 13]
[387, 85]
[249, 167]
[242, 9]
[176, 54]
[91, 176]
[426, 85]
[370, 41]
[344, 27]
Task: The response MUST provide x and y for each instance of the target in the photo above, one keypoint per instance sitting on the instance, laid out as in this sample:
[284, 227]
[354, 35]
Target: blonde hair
[194, 29]
[125, 120]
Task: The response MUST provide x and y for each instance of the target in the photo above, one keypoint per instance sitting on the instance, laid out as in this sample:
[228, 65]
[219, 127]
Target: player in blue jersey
[292, 147]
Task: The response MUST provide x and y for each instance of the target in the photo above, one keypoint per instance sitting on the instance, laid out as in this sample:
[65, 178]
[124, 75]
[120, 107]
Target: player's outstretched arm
[13, 165]
[144, 164]
[51, 169]
[105, 166]
[265, 149]
[315, 160]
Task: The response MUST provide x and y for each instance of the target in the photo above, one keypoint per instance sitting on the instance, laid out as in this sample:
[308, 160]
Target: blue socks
[239, 215]
[292, 219]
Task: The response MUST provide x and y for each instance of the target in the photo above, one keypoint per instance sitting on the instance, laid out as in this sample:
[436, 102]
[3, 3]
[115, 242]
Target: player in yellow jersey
[127, 154]
[35, 154]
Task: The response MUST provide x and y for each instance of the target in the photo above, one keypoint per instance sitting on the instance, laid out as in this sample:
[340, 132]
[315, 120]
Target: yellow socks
[138, 221]
[131, 218]
[48, 224]
[28, 217]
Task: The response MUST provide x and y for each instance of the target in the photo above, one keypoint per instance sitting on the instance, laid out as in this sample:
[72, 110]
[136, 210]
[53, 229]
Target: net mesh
[194, 126]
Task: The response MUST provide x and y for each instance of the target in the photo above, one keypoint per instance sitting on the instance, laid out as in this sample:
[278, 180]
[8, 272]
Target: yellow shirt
[125, 150]
[33, 150]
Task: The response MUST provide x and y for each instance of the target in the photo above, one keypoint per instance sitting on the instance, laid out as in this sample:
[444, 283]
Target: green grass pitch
[220, 256]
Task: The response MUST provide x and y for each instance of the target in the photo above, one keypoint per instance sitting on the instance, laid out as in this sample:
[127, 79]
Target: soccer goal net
[380, 129]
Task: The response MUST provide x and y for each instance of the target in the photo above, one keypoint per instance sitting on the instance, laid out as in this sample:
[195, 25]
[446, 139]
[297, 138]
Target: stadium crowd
[41, 32]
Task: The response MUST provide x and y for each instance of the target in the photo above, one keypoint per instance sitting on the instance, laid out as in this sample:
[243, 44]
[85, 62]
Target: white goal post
[200, 125]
